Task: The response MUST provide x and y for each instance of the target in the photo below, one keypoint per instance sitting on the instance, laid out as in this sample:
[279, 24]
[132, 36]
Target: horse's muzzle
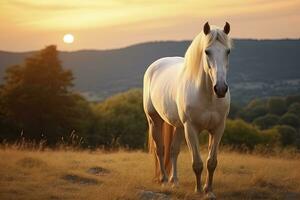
[220, 90]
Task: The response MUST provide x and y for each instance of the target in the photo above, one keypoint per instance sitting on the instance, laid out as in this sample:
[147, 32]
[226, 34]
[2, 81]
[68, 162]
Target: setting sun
[68, 38]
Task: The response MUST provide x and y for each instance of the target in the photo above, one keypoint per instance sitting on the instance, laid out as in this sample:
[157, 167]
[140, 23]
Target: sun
[68, 38]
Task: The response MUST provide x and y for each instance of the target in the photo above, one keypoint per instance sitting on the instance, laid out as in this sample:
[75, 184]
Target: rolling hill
[258, 68]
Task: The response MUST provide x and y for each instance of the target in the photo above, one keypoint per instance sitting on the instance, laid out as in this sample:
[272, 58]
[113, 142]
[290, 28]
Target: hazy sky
[104, 24]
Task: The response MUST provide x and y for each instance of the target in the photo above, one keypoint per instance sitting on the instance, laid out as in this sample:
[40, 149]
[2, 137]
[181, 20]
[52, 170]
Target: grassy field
[122, 175]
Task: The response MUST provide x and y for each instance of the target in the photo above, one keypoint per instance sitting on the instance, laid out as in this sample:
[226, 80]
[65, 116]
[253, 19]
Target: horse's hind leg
[155, 129]
[175, 149]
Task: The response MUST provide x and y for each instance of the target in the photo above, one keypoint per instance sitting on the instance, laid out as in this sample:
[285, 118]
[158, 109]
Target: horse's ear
[206, 28]
[227, 28]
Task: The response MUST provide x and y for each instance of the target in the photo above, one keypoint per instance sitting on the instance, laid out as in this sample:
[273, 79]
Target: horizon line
[140, 43]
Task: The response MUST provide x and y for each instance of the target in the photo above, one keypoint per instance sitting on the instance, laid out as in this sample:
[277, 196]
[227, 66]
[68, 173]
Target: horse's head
[216, 50]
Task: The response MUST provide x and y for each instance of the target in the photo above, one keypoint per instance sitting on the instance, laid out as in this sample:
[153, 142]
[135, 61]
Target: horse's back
[160, 84]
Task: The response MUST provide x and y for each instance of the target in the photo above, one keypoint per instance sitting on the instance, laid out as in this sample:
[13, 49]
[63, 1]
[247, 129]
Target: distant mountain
[257, 67]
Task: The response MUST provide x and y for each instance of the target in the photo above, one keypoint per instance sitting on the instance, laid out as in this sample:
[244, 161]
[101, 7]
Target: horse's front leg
[212, 161]
[175, 149]
[193, 144]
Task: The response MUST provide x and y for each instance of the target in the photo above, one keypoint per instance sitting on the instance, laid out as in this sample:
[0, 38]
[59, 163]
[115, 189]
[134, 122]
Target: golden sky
[104, 24]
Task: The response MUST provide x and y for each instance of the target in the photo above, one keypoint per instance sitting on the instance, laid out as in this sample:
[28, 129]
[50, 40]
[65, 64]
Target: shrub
[254, 109]
[266, 121]
[288, 135]
[295, 109]
[121, 121]
[234, 109]
[239, 133]
[270, 137]
[276, 105]
[290, 119]
[292, 99]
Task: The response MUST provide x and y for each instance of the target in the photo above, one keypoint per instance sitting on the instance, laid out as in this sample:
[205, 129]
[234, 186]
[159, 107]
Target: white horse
[182, 97]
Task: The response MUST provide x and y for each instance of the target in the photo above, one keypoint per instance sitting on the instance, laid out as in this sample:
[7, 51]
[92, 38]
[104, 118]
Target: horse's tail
[152, 147]
[167, 135]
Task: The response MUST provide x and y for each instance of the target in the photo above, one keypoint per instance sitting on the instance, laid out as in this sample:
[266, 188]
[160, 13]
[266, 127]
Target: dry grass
[121, 175]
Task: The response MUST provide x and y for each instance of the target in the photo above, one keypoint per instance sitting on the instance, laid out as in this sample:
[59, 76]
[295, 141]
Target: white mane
[193, 56]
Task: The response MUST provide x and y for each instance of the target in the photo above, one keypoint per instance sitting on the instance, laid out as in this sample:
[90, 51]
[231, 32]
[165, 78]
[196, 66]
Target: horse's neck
[204, 85]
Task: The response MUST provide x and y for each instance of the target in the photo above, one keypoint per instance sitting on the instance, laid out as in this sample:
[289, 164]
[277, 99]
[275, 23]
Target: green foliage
[288, 135]
[253, 110]
[295, 109]
[270, 137]
[121, 121]
[276, 105]
[292, 99]
[234, 109]
[36, 98]
[266, 121]
[290, 119]
[239, 133]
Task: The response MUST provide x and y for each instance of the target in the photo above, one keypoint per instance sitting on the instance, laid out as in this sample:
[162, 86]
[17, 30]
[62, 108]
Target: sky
[105, 24]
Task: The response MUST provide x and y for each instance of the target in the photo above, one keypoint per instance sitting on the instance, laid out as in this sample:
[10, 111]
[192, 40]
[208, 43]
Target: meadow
[71, 174]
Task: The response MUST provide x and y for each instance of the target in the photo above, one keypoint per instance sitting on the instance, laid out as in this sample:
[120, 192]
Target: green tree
[276, 105]
[121, 121]
[234, 109]
[266, 121]
[239, 133]
[36, 96]
[254, 109]
[270, 137]
[290, 119]
[292, 99]
[288, 135]
[295, 109]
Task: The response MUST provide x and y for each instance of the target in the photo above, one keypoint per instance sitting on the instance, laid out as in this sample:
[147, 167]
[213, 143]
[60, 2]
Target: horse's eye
[207, 52]
[228, 51]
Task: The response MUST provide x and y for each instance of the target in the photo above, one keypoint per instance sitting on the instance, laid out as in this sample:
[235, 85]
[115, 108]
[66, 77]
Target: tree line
[38, 103]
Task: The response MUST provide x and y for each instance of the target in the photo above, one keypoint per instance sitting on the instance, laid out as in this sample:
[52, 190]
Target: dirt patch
[29, 162]
[250, 193]
[98, 171]
[79, 180]
[266, 184]
[150, 195]
[241, 171]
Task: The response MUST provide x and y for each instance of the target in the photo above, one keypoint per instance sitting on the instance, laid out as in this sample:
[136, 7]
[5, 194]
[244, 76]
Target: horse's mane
[193, 56]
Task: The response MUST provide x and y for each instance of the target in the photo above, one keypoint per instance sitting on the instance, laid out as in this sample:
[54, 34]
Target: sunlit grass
[63, 174]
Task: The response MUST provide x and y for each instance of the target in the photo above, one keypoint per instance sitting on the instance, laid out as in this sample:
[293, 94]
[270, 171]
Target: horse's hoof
[164, 184]
[205, 189]
[198, 190]
[163, 180]
[210, 196]
[175, 184]
[172, 179]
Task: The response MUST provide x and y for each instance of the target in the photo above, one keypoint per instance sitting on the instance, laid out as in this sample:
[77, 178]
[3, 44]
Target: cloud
[141, 20]
[55, 5]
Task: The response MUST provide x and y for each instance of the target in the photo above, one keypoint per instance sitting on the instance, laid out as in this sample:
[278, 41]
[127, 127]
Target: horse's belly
[164, 103]
[167, 110]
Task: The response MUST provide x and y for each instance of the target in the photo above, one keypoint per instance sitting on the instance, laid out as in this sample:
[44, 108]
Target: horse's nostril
[215, 88]
[226, 88]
